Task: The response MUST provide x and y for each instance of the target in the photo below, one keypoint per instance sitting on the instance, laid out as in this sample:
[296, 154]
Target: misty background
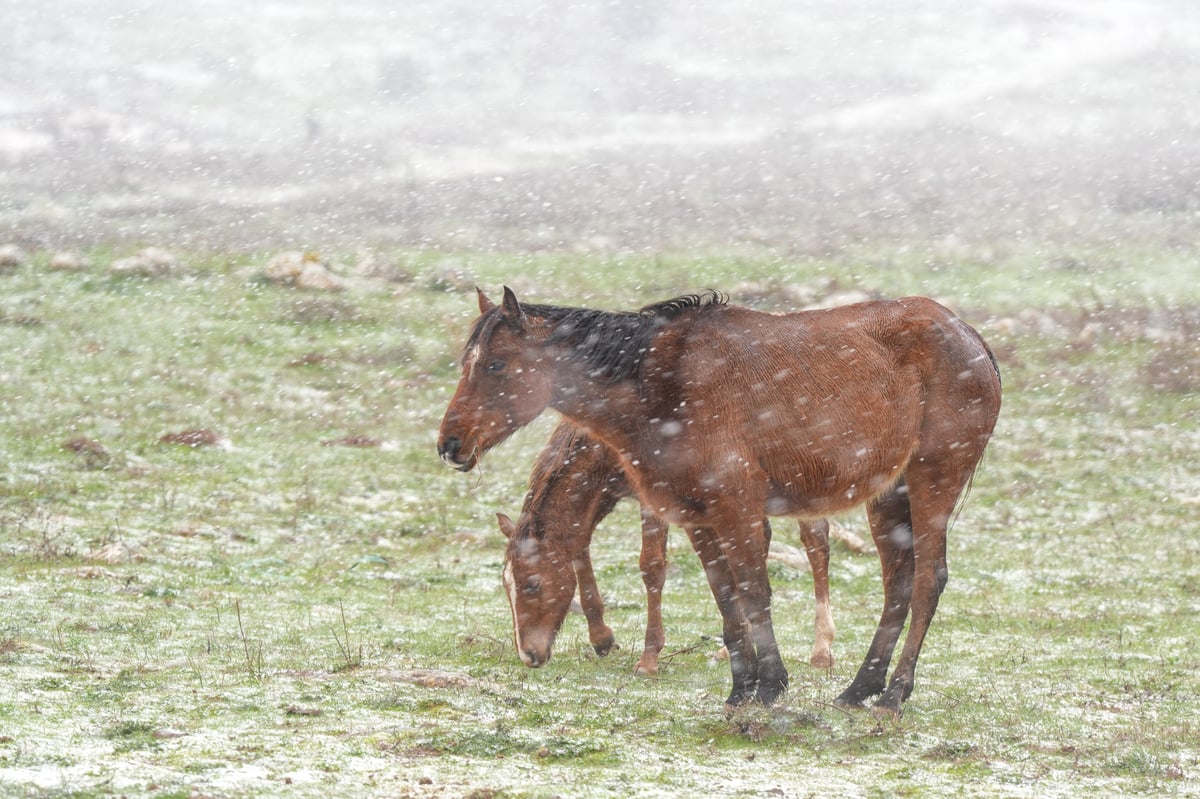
[600, 125]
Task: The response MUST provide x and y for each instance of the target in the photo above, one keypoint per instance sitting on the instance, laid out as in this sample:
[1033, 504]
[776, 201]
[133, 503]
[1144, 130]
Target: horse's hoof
[847, 702]
[885, 710]
[822, 660]
[645, 668]
[738, 700]
[768, 693]
[857, 694]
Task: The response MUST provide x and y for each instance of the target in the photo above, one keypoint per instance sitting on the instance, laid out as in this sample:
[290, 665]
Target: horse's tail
[973, 333]
[962, 498]
[992, 356]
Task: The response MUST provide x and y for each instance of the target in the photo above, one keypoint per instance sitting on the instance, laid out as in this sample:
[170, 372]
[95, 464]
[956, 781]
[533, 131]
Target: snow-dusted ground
[282, 617]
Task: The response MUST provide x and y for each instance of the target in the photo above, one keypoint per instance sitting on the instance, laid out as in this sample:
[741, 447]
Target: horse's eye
[496, 367]
[533, 587]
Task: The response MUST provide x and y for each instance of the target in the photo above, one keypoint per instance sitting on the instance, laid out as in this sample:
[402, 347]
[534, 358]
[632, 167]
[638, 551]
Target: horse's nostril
[449, 448]
[532, 660]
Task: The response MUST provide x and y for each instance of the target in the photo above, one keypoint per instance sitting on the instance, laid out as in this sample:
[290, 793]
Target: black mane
[611, 343]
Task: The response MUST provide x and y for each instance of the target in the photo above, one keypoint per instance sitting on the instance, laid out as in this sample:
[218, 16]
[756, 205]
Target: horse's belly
[825, 488]
[782, 504]
[815, 505]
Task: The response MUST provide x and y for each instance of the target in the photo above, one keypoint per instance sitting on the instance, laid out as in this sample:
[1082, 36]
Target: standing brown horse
[575, 483]
[722, 415]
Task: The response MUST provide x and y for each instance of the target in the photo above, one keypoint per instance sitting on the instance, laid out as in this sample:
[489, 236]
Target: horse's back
[829, 404]
[915, 331]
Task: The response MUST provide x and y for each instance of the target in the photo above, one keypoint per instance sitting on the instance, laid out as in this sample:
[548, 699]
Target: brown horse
[575, 483]
[722, 415]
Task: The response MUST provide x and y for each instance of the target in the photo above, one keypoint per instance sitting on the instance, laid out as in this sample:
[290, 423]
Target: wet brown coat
[575, 484]
[733, 414]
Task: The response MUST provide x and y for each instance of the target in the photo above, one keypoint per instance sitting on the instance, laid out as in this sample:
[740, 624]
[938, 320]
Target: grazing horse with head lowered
[575, 483]
[721, 416]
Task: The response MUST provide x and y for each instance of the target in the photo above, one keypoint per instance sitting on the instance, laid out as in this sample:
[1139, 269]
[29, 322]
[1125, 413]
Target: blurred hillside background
[601, 124]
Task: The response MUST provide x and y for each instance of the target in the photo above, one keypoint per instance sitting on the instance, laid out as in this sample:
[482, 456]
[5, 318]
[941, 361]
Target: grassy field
[278, 612]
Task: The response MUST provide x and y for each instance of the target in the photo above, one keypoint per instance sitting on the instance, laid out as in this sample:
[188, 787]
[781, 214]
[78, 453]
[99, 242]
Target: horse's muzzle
[450, 450]
[533, 659]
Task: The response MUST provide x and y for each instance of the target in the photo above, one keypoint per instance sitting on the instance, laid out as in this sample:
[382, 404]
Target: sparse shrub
[319, 310]
[149, 262]
[202, 437]
[1174, 367]
[304, 270]
[12, 257]
[92, 453]
[69, 261]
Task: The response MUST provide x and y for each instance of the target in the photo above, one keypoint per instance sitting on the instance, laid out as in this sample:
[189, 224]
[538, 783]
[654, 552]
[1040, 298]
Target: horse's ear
[512, 309]
[506, 525]
[485, 304]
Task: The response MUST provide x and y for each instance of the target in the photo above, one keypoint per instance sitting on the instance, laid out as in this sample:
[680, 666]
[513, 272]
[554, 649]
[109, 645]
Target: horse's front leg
[654, 576]
[599, 633]
[746, 550]
[740, 646]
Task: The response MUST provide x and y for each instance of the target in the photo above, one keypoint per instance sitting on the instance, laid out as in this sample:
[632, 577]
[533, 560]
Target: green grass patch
[308, 603]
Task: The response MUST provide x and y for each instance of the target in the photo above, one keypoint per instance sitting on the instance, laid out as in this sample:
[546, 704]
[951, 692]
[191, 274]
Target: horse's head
[505, 383]
[540, 583]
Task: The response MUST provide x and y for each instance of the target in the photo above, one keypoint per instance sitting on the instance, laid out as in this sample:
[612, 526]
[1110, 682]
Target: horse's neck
[607, 412]
[572, 494]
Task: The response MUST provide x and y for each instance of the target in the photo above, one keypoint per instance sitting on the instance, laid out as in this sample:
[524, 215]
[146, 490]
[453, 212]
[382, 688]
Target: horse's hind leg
[815, 537]
[654, 576]
[891, 527]
[934, 490]
[599, 633]
[749, 568]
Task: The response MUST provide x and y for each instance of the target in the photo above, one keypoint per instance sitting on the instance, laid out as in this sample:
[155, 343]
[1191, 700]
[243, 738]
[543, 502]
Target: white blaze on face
[471, 361]
[510, 588]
